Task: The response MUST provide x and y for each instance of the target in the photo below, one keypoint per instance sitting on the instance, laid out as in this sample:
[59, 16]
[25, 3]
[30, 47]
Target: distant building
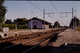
[36, 23]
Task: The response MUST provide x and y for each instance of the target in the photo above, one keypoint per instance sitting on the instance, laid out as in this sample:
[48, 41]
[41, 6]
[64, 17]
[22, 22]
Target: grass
[22, 29]
[18, 29]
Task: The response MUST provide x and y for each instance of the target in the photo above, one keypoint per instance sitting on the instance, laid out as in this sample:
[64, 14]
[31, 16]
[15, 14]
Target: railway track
[25, 43]
[25, 36]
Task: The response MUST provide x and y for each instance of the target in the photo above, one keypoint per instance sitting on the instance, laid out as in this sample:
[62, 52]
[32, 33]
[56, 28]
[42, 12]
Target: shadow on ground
[47, 49]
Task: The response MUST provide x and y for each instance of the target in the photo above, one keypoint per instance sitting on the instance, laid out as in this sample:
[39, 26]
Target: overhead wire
[37, 6]
[46, 10]
[34, 5]
[42, 8]
[55, 8]
[57, 11]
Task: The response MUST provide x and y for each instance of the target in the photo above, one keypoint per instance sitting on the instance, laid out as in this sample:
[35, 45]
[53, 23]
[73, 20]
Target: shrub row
[22, 27]
[12, 26]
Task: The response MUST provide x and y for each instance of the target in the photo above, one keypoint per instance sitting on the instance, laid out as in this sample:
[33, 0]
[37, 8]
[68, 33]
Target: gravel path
[68, 36]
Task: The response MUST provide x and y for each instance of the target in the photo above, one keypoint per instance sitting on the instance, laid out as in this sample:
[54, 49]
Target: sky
[24, 9]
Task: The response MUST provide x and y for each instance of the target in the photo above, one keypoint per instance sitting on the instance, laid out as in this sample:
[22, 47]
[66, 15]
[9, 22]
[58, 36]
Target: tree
[20, 21]
[8, 21]
[2, 12]
[56, 24]
[74, 22]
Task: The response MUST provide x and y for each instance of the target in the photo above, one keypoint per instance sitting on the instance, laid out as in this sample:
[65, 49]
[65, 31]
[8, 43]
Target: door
[35, 25]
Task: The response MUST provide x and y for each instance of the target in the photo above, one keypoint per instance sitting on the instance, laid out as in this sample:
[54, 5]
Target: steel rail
[12, 45]
[31, 47]
[40, 43]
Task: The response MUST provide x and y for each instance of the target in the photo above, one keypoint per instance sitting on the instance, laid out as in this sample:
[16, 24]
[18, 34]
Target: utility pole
[74, 22]
[31, 20]
[57, 23]
[44, 16]
[73, 17]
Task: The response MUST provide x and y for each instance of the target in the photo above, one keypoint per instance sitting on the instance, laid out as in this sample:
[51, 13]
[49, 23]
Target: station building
[36, 23]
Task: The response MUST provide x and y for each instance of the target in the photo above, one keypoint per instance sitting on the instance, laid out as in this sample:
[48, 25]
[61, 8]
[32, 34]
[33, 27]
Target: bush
[22, 27]
[11, 26]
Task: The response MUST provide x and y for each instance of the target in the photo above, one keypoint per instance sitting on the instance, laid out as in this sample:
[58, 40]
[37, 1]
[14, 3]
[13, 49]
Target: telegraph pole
[73, 17]
[57, 23]
[74, 22]
[31, 20]
[44, 16]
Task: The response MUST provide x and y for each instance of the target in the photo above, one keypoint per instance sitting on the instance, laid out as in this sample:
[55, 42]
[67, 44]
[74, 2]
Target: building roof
[46, 22]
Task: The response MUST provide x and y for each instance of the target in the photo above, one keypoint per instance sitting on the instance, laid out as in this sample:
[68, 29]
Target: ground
[68, 36]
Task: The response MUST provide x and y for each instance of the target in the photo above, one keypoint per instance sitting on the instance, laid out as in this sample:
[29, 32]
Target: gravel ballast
[68, 36]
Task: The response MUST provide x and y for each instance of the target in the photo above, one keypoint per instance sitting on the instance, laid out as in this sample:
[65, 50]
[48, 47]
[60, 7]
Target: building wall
[46, 26]
[38, 23]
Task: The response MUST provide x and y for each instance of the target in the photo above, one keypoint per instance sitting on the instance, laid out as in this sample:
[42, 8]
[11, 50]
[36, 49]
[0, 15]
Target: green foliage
[22, 27]
[8, 21]
[0, 25]
[2, 11]
[50, 26]
[1, 2]
[20, 21]
[24, 19]
[56, 25]
[11, 26]
[74, 20]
